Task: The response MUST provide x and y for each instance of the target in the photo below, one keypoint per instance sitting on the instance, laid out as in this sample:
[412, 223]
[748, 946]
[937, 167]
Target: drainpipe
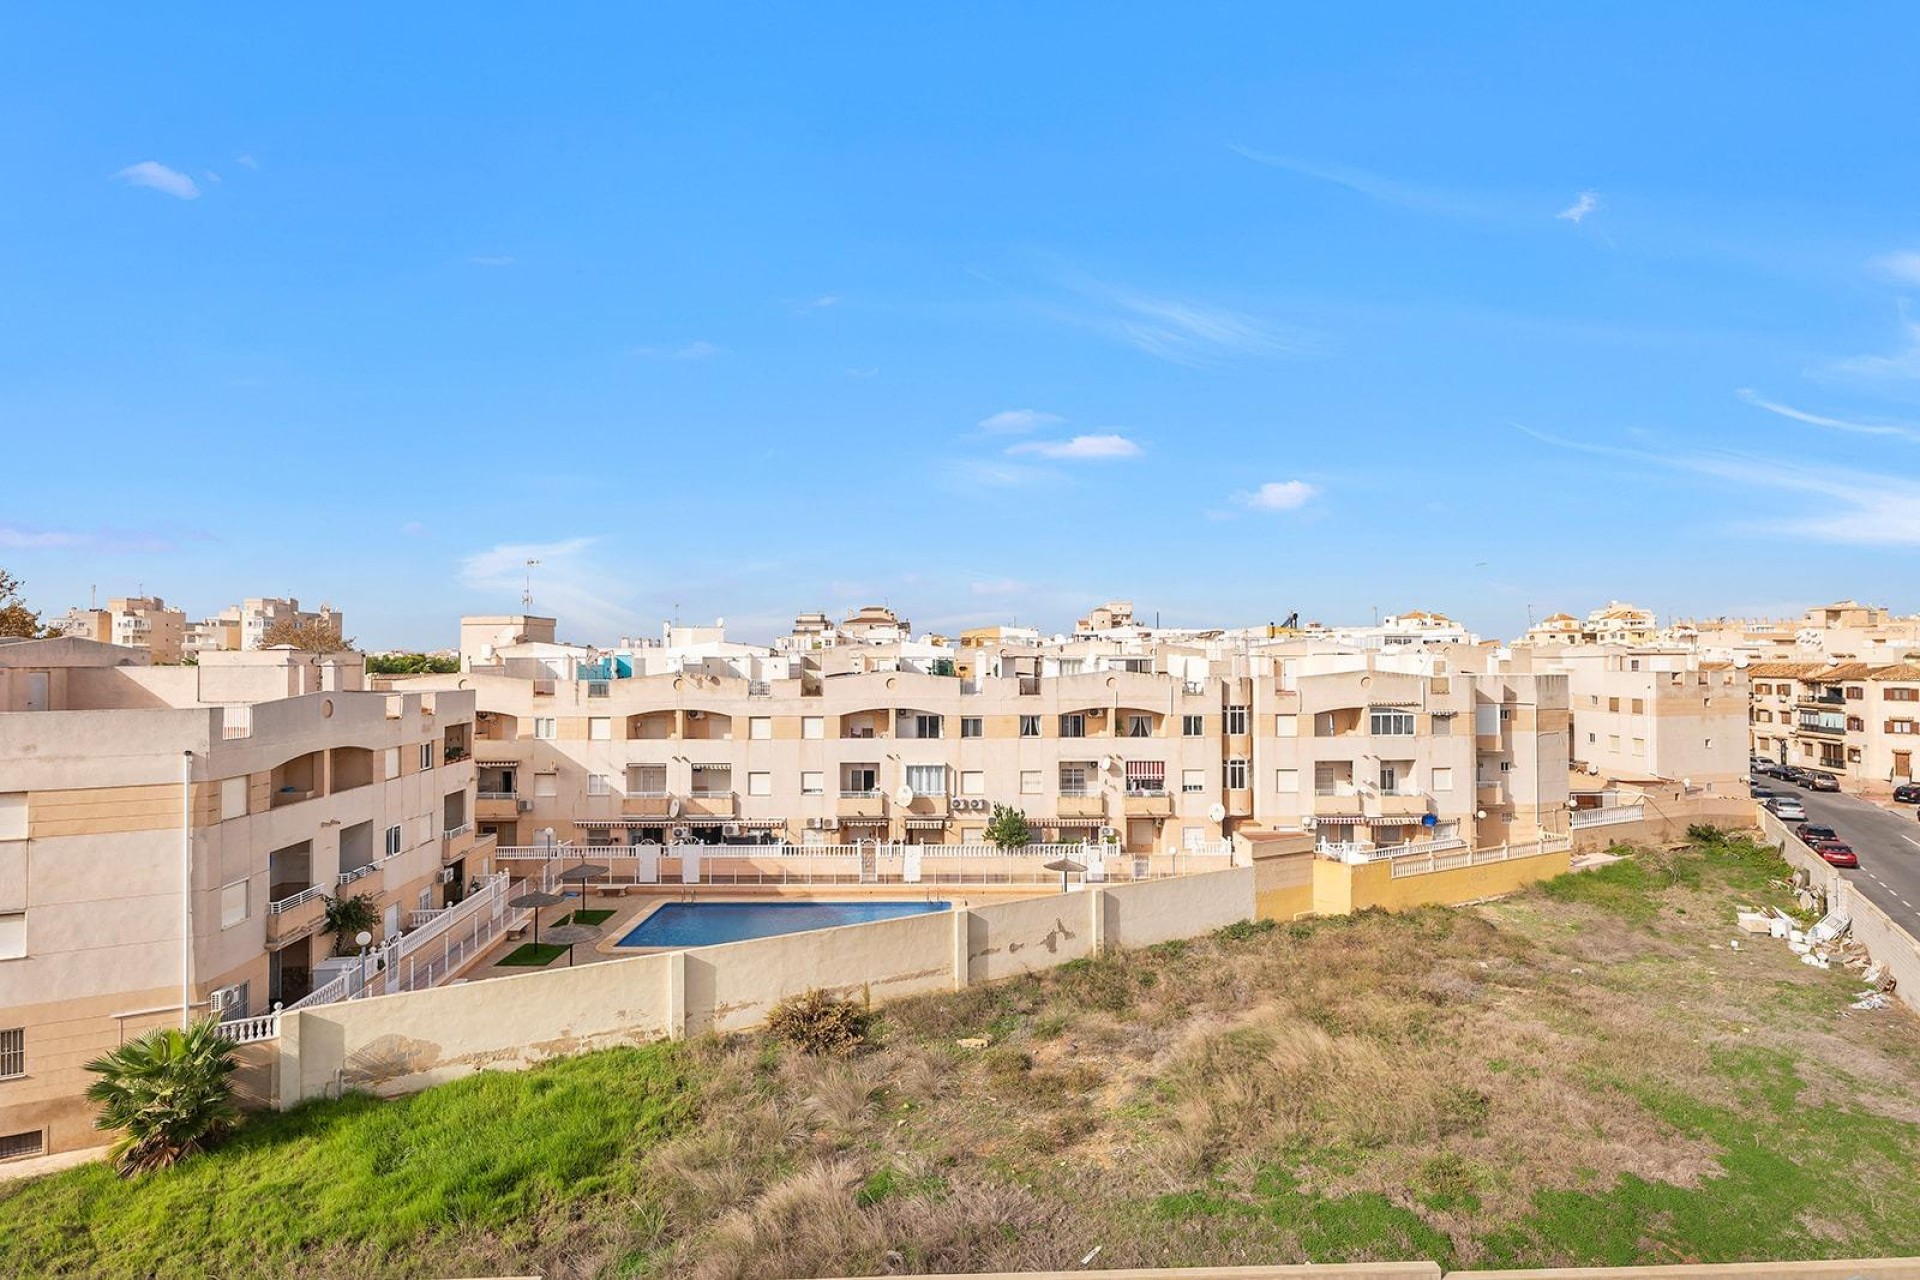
[186, 889]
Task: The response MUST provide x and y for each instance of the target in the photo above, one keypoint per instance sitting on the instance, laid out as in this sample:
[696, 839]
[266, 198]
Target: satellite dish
[1686, 783]
[1479, 813]
[1593, 768]
[1216, 812]
[904, 796]
[1741, 660]
[673, 807]
[1106, 764]
[1309, 822]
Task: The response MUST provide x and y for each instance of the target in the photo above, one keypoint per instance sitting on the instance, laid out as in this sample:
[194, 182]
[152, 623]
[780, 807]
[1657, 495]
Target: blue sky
[991, 313]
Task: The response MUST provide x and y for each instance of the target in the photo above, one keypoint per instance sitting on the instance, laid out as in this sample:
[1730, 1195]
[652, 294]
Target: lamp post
[364, 939]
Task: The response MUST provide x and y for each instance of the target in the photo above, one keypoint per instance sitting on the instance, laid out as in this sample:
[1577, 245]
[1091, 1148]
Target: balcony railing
[1147, 789]
[454, 833]
[498, 795]
[280, 906]
[759, 689]
[1076, 790]
[1335, 789]
[358, 873]
[857, 793]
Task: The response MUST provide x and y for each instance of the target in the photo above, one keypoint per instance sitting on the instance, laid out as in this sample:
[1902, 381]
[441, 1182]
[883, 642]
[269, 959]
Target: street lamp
[364, 939]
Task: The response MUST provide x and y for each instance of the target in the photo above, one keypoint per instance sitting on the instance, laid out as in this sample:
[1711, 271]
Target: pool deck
[637, 903]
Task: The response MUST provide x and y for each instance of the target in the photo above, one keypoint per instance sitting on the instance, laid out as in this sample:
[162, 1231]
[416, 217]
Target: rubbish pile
[1827, 943]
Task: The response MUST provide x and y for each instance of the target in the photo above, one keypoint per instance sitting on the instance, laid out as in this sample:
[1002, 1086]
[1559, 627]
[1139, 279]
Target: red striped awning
[1339, 820]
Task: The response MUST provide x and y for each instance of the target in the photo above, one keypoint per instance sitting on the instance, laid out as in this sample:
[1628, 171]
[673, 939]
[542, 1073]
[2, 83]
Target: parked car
[1796, 775]
[1822, 782]
[1759, 792]
[1787, 809]
[1812, 833]
[1838, 853]
[1907, 793]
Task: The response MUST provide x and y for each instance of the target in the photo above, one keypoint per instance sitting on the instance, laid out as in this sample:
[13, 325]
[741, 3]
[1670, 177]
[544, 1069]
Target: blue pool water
[702, 924]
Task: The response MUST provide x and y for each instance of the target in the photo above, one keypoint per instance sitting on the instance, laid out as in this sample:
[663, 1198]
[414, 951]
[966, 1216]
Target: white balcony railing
[1606, 815]
[498, 795]
[358, 873]
[855, 793]
[282, 905]
[454, 833]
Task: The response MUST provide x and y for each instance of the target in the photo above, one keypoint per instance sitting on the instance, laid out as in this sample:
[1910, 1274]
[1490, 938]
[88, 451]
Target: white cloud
[1580, 208]
[491, 260]
[151, 173]
[1903, 266]
[567, 583]
[1081, 448]
[1193, 333]
[975, 473]
[997, 587]
[14, 537]
[413, 529]
[1901, 364]
[821, 303]
[246, 162]
[1387, 190]
[1838, 424]
[698, 350]
[1278, 495]
[1011, 420]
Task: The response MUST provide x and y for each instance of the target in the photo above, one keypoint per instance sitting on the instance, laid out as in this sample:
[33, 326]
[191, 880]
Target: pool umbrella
[533, 901]
[1063, 866]
[568, 935]
[581, 874]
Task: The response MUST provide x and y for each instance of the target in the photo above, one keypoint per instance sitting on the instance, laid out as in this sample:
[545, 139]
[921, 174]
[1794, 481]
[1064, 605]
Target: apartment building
[1844, 631]
[138, 622]
[169, 837]
[1653, 714]
[242, 626]
[1857, 721]
[1156, 745]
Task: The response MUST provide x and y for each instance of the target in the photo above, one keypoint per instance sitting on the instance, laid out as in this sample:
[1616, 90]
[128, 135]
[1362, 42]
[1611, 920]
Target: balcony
[296, 915]
[368, 879]
[494, 806]
[646, 804]
[1823, 702]
[710, 804]
[455, 842]
[1821, 730]
[1148, 804]
[861, 804]
[1397, 804]
[1080, 803]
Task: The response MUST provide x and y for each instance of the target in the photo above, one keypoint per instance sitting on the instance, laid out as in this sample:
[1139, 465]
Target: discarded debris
[1871, 1000]
[974, 1042]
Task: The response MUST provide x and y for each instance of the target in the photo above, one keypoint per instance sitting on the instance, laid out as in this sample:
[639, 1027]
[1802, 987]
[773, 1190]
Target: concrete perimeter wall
[1890, 945]
[400, 1043]
[1668, 823]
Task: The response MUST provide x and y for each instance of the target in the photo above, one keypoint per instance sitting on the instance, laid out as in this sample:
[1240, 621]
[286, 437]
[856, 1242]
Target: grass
[533, 955]
[1584, 1073]
[595, 915]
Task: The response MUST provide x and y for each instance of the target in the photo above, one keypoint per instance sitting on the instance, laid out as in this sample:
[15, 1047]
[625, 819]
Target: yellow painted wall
[1339, 888]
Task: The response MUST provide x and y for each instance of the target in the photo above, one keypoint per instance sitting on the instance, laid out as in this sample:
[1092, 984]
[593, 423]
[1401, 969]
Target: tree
[347, 917]
[15, 618]
[313, 637]
[1008, 828]
[410, 664]
[170, 1093]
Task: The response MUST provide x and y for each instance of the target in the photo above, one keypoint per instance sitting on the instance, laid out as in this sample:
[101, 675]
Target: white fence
[1426, 864]
[1607, 815]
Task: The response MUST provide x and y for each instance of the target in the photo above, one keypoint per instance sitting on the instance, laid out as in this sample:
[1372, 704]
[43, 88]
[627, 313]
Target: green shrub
[818, 1023]
[168, 1091]
[1244, 930]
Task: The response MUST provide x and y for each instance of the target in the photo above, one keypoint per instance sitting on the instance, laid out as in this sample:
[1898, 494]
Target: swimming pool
[703, 924]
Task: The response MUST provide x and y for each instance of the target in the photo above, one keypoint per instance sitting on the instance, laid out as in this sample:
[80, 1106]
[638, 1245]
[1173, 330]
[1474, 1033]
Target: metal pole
[186, 889]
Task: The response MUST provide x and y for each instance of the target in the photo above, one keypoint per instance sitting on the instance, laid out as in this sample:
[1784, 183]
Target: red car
[1838, 853]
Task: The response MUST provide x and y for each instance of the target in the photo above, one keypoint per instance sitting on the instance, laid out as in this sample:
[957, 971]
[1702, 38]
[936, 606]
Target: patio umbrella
[1064, 866]
[568, 935]
[533, 901]
[581, 874]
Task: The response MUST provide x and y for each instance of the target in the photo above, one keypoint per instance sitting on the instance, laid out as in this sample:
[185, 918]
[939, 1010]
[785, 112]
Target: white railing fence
[1426, 864]
[1607, 815]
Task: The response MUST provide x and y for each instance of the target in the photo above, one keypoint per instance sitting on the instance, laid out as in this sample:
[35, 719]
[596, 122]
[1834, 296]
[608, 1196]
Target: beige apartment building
[242, 626]
[1857, 721]
[136, 622]
[221, 804]
[1159, 747]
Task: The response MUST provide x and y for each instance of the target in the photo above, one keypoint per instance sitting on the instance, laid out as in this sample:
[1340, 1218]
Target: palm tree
[169, 1091]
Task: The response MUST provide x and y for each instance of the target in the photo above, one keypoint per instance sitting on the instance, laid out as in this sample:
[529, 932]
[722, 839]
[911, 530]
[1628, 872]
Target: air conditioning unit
[1107, 833]
[524, 806]
[224, 999]
[730, 829]
[446, 875]
[815, 824]
[829, 824]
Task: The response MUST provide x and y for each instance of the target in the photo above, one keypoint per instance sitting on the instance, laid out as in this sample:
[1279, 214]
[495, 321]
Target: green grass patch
[596, 915]
[533, 955]
[1361, 1226]
[501, 1153]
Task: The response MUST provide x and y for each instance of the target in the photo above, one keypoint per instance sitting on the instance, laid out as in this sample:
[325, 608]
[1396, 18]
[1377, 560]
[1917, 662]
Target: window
[1236, 775]
[1286, 726]
[760, 784]
[1506, 766]
[1639, 746]
[1029, 726]
[1709, 744]
[812, 727]
[971, 727]
[392, 757]
[813, 783]
[1898, 693]
[927, 779]
[1856, 692]
[1638, 706]
[1236, 720]
[13, 935]
[860, 779]
[712, 779]
[424, 902]
[1073, 725]
[546, 786]
[1900, 726]
[17, 1146]
[597, 785]
[599, 729]
[426, 755]
[925, 726]
[1613, 742]
[1193, 781]
[1073, 779]
[13, 1052]
[1391, 724]
[1613, 704]
[1030, 782]
[233, 798]
[1442, 779]
[1193, 726]
[973, 782]
[1139, 726]
[599, 688]
[233, 903]
[760, 728]
[543, 727]
[1855, 724]
[1146, 777]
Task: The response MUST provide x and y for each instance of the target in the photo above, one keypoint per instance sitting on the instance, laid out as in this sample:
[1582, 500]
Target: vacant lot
[1583, 1073]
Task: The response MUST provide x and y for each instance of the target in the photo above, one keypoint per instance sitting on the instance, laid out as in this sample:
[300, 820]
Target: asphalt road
[1887, 840]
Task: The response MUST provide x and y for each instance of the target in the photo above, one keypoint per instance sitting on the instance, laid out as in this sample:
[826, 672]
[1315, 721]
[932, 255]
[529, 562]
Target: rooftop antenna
[526, 597]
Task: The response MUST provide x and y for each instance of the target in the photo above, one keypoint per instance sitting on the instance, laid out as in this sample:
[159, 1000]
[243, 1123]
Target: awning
[760, 824]
[863, 822]
[926, 824]
[1339, 820]
[1073, 822]
[496, 764]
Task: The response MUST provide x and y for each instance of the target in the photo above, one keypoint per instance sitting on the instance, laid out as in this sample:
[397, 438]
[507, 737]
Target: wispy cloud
[1278, 495]
[971, 474]
[1008, 421]
[1389, 190]
[1577, 212]
[1857, 508]
[1080, 448]
[246, 162]
[1901, 430]
[156, 176]
[413, 529]
[822, 303]
[15, 537]
[698, 350]
[567, 583]
[1903, 266]
[1904, 363]
[997, 587]
[491, 260]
